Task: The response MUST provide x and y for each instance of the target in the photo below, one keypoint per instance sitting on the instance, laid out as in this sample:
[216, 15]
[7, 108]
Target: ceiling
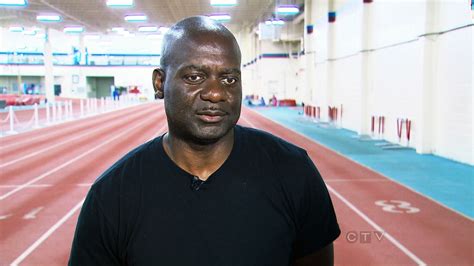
[96, 17]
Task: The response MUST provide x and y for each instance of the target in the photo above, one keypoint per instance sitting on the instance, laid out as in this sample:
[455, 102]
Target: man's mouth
[211, 116]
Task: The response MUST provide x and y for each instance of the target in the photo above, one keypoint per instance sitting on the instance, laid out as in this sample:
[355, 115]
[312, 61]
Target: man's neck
[200, 160]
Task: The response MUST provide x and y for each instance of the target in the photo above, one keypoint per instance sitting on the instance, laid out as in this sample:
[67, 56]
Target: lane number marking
[397, 206]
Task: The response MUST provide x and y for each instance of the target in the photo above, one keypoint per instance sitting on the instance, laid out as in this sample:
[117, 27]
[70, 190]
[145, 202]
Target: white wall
[402, 81]
[273, 75]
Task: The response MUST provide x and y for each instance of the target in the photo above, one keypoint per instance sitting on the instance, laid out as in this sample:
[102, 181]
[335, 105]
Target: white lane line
[6, 195]
[378, 228]
[4, 217]
[32, 214]
[84, 184]
[87, 133]
[367, 219]
[331, 180]
[51, 230]
[46, 234]
[32, 186]
[248, 122]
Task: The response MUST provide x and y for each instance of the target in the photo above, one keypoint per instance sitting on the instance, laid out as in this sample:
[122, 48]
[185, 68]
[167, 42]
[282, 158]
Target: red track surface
[45, 174]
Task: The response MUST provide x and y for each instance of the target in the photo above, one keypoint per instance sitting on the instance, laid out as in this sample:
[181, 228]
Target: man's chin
[209, 134]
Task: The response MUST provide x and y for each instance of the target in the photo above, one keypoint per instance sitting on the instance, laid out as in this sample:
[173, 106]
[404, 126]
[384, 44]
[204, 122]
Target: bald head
[194, 31]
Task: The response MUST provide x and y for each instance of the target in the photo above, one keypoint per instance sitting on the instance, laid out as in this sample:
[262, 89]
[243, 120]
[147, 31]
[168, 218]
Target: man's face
[202, 89]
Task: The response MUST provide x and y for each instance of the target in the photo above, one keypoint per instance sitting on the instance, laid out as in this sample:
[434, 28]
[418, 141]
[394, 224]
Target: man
[208, 192]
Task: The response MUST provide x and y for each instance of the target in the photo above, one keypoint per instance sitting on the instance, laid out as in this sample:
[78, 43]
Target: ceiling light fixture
[16, 29]
[118, 29]
[287, 10]
[277, 22]
[73, 29]
[163, 30]
[120, 3]
[220, 17]
[48, 18]
[29, 32]
[223, 2]
[13, 3]
[148, 29]
[135, 18]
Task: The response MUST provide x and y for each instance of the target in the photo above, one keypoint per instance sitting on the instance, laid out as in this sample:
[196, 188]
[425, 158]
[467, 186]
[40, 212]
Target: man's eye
[229, 81]
[194, 78]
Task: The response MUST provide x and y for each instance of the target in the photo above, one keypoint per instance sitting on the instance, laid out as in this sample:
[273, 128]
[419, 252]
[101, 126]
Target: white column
[331, 47]
[48, 68]
[426, 120]
[309, 49]
[367, 69]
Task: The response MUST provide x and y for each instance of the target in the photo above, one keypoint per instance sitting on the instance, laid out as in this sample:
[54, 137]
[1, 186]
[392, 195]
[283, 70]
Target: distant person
[208, 192]
[116, 94]
[302, 112]
[274, 100]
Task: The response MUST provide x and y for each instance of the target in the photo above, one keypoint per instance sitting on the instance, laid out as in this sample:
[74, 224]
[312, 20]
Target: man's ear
[158, 81]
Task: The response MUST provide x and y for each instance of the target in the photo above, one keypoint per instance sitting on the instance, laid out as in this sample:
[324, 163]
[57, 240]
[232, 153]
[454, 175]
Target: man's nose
[213, 91]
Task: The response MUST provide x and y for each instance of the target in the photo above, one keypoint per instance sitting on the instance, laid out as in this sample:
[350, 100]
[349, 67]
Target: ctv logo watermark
[364, 237]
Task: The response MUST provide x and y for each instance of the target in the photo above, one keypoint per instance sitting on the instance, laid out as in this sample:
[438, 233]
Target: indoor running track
[45, 175]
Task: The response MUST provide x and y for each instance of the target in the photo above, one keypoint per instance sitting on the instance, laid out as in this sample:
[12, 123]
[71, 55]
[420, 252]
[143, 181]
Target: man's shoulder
[132, 164]
[269, 143]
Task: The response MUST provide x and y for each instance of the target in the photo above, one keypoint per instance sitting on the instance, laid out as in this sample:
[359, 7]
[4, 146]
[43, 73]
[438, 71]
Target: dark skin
[202, 92]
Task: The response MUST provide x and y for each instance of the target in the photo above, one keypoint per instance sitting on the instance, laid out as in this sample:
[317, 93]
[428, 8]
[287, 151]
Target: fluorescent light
[15, 29]
[148, 29]
[13, 3]
[29, 32]
[135, 18]
[275, 22]
[287, 10]
[48, 18]
[118, 29]
[124, 32]
[120, 3]
[278, 22]
[73, 29]
[220, 17]
[163, 30]
[223, 2]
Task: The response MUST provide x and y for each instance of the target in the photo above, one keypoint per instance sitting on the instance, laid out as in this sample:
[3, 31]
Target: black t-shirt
[266, 205]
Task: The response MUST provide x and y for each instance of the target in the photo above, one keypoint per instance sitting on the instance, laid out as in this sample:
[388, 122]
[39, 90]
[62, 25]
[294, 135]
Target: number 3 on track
[396, 206]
